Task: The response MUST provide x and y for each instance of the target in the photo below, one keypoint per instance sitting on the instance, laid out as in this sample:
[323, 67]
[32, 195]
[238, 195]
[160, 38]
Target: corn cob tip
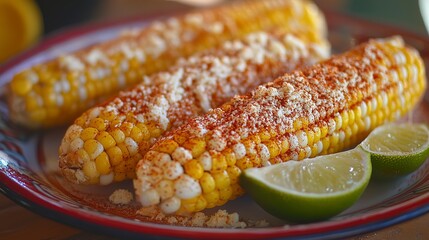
[318, 110]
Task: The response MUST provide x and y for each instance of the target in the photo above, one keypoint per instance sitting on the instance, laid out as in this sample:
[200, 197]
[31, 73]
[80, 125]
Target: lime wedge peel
[311, 189]
[397, 149]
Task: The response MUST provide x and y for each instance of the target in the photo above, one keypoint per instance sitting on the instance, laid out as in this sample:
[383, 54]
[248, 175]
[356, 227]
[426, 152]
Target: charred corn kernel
[92, 74]
[240, 122]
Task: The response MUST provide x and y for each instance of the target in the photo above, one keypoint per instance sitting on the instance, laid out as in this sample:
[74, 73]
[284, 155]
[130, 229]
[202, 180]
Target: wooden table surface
[17, 222]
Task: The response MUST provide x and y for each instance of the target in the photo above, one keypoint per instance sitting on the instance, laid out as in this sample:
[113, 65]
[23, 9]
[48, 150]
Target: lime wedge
[397, 149]
[312, 189]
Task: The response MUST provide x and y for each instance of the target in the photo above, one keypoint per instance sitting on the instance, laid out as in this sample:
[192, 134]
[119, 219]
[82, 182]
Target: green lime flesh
[397, 149]
[310, 190]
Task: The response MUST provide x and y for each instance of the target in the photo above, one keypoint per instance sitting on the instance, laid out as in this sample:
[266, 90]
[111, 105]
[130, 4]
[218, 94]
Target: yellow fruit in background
[20, 26]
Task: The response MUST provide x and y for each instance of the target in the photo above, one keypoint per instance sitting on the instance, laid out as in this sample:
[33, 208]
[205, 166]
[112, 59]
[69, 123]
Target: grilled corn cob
[105, 143]
[56, 92]
[319, 110]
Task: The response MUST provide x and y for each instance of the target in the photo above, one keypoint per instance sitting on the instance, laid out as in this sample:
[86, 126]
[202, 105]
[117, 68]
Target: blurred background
[24, 23]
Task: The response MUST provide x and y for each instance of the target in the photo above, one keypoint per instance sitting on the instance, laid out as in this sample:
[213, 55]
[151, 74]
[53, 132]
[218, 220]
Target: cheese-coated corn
[54, 93]
[322, 109]
[127, 126]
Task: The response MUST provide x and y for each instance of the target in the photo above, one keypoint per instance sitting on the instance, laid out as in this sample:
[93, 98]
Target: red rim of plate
[19, 187]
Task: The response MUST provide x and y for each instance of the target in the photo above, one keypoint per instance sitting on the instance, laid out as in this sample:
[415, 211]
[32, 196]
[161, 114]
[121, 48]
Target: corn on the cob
[56, 92]
[319, 110]
[105, 143]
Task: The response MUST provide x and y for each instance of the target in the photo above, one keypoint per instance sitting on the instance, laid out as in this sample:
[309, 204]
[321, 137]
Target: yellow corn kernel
[21, 84]
[207, 183]
[125, 153]
[225, 194]
[317, 134]
[345, 119]
[273, 148]
[118, 135]
[106, 140]
[301, 154]
[98, 123]
[310, 137]
[194, 169]
[88, 133]
[200, 204]
[219, 162]
[297, 124]
[126, 128]
[212, 198]
[244, 163]
[115, 155]
[154, 130]
[221, 179]
[324, 130]
[264, 135]
[352, 116]
[196, 145]
[234, 173]
[144, 131]
[326, 143]
[82, 156]
[167, 146]
[136, 134]
[90, 170]
[102, 163]
[284, 146]
[93, 148]
[230, 157]
[334, 139]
